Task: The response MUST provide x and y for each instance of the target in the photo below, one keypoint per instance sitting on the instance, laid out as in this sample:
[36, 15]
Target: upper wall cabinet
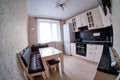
[84, 20]
[74, 24]
[69, 20]
[94, 18]
[106, 20]
[78, 21]
[81, 20]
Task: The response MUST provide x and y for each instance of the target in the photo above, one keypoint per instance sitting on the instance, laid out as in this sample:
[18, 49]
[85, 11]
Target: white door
[66, 33]
[67, 48]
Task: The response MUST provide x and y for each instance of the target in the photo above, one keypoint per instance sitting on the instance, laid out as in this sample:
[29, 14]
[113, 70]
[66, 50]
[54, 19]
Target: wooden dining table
[49, 53]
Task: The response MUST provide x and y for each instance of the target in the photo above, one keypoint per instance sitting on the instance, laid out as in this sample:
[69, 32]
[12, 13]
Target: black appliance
[98, 36]
[77, 34]
[81, 49]
[102, 36]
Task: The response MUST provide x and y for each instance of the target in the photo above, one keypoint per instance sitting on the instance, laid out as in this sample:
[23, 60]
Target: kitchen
[19, 29]
[90, 36]
[80, 23]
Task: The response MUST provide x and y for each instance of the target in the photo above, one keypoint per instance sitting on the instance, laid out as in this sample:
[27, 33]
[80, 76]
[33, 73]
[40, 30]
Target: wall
[116, 24]
[13, 37]
[32, 30]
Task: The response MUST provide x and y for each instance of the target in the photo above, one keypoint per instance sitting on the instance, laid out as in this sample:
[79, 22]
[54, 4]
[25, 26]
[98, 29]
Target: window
[48, 31]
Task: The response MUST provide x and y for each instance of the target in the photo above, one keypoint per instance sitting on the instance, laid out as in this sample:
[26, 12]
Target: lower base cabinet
[94, 52]
[73, 48]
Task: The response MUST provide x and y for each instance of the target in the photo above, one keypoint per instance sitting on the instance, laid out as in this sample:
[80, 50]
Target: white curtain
[48, 31]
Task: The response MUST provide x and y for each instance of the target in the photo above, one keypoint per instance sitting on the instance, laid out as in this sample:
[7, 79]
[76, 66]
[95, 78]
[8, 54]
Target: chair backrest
[25, 55]
[24, 58]
[36, 47]
[21, 63]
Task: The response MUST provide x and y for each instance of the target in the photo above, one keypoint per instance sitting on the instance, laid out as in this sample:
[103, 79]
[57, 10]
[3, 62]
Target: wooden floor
[78, 69]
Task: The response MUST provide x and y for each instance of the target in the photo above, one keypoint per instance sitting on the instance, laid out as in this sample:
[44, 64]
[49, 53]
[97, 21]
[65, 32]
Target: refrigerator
[69, 37]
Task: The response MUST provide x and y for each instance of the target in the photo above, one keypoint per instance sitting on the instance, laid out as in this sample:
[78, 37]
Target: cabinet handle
[95, 47]
[90, 53]
[82, 24]
[91, 49]
[110, 20]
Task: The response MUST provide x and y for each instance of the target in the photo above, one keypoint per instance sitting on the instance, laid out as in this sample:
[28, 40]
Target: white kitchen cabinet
[69, 21]
[94, 18]
[78, 21]
[73, 48]
[98, 54]
[84, 21]
[81, 20]
[106, 19]
[91, 50]
[94, 52]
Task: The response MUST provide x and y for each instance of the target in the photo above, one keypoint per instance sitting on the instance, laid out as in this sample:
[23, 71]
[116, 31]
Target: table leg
[46, 67]
[62, 62]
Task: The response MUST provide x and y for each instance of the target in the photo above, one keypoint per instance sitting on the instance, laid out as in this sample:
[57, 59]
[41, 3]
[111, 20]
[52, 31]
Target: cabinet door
[97, 18]
[94, 19]
[91, 50]
[78, 21]
[73, 48]
[98, 53]
[83, 19]
[94, 52]
[74, 24]
[69, 20]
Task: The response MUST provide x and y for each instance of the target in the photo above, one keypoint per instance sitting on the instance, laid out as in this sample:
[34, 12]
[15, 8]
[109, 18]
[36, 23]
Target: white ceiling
[48, 9]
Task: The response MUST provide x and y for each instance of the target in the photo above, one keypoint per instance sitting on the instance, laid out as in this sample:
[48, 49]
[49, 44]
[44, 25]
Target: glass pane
[87, 14]
[89, 25]
[90, 13]
[93, 24]
[54, 32]
[88, 19]
[91, 18]
[45, 32]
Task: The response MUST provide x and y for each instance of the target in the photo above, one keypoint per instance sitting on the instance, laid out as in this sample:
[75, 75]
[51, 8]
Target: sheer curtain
[48, 31]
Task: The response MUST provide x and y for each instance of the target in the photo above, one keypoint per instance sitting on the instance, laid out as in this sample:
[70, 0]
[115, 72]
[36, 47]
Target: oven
[81, 49]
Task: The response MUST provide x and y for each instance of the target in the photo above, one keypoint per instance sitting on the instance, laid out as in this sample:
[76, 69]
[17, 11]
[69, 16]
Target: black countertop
[108, 43]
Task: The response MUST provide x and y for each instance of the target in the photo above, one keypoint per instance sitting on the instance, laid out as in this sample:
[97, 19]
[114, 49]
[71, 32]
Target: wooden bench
[31, 63]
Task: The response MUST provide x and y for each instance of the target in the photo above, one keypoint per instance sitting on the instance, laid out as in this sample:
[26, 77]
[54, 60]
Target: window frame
[51, 22]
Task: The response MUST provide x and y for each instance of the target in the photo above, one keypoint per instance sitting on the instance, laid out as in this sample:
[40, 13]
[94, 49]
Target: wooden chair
[53, 64]
[26, 69]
